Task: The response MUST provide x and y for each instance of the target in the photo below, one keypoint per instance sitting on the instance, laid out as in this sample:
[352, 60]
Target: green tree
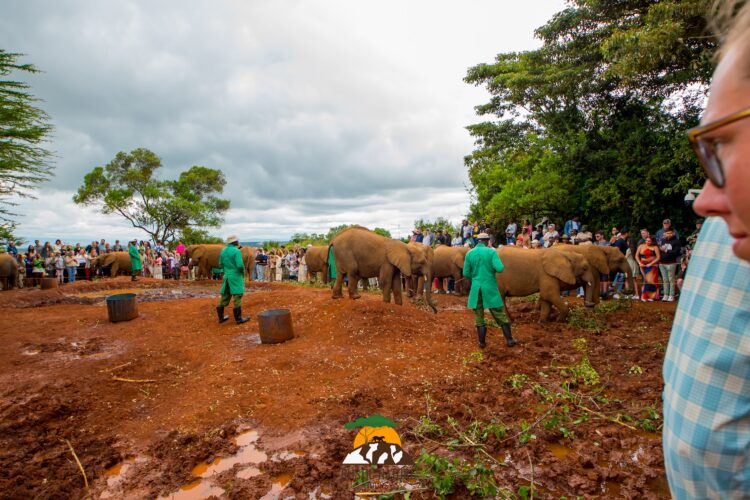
[592, 123]
[382, 232]
[24, 128]
[433, 225]
[194, 236]
[127, 186]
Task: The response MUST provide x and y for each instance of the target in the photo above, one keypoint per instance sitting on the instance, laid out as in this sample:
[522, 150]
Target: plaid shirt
[706, 434]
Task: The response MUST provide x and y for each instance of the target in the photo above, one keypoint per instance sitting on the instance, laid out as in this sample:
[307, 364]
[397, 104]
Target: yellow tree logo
[376, 442]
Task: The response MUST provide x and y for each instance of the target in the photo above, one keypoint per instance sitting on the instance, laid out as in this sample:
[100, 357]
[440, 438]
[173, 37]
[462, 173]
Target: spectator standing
[47, 250]
[690, 240]
[180, 249]
[465, 231]
[38, 269]
[59, 267]
[427, 239]
[117, 247]
[649, 256]
[613, 237]
[671, 252]
[457, 241]
[584, 235]
[644, 234]
[71, 264]
[12, 249]
[302, 265]
[550, 235]
[418, 237]
[510, 233]
[570, 225]
[527, 229]
[158, 260]
[666, 225]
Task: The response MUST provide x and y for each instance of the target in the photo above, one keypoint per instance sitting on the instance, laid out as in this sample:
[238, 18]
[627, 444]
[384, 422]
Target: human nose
[712, 201]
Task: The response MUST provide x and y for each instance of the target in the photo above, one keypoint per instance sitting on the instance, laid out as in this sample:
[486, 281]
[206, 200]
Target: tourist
[648, 257]
[59, 267]
[12, 249]
[302, 265]
[707, 365]
[71, 265]
[671, 251]
[510, 233]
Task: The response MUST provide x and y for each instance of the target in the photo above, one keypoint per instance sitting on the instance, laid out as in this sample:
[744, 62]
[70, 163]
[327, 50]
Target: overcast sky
[320, 113]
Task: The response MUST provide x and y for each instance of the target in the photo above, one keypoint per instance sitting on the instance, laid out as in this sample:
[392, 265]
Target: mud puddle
[244, 461]
[143, 294]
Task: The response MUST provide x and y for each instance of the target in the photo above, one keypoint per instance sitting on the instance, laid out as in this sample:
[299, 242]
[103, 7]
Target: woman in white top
[302, 276]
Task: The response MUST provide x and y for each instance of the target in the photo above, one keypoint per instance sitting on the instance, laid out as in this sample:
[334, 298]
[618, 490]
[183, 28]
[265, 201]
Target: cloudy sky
[319, 112]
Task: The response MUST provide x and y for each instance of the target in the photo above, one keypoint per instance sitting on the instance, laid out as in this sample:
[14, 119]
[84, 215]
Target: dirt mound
[171, 389]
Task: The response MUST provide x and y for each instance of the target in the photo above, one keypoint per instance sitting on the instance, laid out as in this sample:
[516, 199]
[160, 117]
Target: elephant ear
[559, 265]
[458, 259]
[398, 255]
[597, 257]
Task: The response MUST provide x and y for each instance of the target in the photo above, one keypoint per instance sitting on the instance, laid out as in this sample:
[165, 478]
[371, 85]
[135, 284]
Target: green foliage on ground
[592, 123]
[25, 162]
[128, 186]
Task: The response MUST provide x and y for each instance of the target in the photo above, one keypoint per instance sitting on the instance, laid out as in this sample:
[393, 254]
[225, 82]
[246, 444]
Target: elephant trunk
[630, 278]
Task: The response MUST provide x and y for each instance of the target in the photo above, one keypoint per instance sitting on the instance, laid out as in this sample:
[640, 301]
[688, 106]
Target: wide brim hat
[232, 238]
[483, 236]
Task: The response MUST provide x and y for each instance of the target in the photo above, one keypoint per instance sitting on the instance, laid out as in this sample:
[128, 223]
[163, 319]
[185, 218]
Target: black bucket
[122, 307]
[275, 326]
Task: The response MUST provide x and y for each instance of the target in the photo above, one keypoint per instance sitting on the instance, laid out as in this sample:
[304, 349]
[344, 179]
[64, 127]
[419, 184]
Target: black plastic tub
[275, 326]
[122, 307]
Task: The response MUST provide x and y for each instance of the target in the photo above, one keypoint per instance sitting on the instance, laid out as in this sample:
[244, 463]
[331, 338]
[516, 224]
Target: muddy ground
[173, 403]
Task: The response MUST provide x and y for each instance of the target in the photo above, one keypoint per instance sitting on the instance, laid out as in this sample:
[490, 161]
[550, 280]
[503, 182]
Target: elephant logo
[376, 443]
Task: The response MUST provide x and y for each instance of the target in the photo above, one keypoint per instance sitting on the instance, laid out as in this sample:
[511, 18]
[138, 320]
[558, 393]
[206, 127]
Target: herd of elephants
[359, 253]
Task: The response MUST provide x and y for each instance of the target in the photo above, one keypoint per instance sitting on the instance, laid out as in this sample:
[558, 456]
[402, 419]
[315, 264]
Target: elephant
[449, 263]
[206, 257]
[361, 253]
[422, 258]
[116, 261]
[316, 258]
[546, 272]
[9, 270]
[603, 260]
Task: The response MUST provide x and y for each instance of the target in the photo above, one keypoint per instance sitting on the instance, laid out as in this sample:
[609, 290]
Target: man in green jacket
[480, 265]
[135, 260]
[233, 285]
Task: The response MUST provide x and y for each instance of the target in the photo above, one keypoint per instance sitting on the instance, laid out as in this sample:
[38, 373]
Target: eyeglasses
[706, 150]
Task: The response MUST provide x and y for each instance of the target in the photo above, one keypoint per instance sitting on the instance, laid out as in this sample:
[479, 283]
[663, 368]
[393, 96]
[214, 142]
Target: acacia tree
[24, 128]
[128, 187]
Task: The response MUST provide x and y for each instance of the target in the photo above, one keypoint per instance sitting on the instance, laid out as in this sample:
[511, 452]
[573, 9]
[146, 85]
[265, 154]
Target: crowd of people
[659, 259]
[280, 264]
[70, 262]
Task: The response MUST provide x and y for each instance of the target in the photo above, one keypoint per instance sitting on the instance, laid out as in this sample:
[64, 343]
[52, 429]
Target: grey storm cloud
[323, 108]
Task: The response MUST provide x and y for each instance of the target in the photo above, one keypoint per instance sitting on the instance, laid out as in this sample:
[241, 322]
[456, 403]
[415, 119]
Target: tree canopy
[24, 128]
[592, 123]
[127, 186]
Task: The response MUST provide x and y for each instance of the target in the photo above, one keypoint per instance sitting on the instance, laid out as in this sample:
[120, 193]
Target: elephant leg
[595, 285]
[114, 269]
[420, 285]
[544, 307]
[397, 290]
[386, 281]
[337, 285]
[560, 305]
[353, 285]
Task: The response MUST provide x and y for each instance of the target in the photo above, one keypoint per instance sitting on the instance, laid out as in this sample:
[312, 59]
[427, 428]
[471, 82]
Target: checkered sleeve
[706, 372]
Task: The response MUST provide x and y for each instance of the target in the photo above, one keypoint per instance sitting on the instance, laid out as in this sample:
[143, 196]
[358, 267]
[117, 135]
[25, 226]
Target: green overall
[135, 260]
[480, 265]
[233, 285]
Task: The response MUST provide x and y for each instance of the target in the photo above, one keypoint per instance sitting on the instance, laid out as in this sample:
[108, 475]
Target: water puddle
[195, 490]
[115, 476]
[288, 455]
[559, 451]
[278, 485]
[248, 472]
[247, 454]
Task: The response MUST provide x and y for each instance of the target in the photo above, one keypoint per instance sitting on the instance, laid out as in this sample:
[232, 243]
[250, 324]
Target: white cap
[232, 238]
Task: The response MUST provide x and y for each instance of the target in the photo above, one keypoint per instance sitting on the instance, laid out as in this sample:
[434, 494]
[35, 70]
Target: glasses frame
[705, 149]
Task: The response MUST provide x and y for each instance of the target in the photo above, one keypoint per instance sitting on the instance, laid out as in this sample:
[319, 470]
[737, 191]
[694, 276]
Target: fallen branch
[386, 493]
[117, 367]
[602, 415]
[80, 467]
[134, 380]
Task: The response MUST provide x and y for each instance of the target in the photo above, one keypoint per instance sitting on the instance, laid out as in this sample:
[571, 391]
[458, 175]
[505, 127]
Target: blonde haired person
[706, 434]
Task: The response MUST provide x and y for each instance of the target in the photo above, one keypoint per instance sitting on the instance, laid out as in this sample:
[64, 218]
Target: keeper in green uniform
[135, 260]
[480, 265]
[233, 285]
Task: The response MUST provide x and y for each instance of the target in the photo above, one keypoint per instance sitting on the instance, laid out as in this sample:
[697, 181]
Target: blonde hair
[730, 21]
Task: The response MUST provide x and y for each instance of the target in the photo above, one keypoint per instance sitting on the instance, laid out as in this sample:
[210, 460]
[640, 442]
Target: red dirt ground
[206, 382]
